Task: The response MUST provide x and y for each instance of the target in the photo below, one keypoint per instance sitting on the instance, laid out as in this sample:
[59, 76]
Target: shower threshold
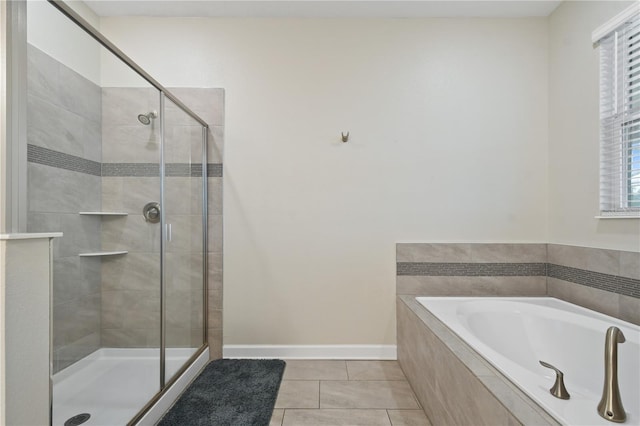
[112, 385]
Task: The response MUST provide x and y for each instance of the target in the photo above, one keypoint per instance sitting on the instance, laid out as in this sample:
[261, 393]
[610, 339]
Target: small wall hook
[345, 138]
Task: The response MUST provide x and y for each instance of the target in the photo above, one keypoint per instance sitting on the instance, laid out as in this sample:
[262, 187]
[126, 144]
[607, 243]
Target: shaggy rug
[229, 392]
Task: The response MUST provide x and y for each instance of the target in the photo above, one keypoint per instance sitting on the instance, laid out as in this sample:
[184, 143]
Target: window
[620, 115]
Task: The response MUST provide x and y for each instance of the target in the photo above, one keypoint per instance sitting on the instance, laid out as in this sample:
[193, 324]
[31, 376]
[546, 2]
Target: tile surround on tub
[453, 383]
[607, 281]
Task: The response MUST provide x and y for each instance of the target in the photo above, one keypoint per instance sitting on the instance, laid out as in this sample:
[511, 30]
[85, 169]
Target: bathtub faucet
[610, 406]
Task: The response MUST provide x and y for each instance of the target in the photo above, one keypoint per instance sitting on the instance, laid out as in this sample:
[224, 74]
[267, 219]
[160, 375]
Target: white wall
[574, 131]
[53, 33]
[448, 122]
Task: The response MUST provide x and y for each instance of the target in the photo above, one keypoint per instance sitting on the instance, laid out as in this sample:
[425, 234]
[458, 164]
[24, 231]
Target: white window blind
[620, 119]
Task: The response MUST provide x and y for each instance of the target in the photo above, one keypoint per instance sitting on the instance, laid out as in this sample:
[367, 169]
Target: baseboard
[381, 352]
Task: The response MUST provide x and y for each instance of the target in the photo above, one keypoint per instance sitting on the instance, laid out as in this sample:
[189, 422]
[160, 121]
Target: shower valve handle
[558, 390]
[151, 212]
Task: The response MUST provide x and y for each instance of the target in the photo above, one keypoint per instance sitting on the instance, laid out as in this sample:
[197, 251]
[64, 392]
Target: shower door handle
[168, 229]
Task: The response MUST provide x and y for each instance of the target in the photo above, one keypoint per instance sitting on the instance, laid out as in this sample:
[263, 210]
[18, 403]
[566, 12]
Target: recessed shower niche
[119, 165]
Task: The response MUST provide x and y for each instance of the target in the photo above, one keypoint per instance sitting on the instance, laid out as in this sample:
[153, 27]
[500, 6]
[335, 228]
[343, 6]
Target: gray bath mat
[229, 392]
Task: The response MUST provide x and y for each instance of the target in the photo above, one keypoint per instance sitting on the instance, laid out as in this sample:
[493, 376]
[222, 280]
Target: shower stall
[118, 164]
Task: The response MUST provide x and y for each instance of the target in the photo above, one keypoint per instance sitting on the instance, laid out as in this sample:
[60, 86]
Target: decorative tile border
[48, 157]
[153, 169]
[60, 160]
[612, 283]
[438, 269]
[131, 169]
[214, 170]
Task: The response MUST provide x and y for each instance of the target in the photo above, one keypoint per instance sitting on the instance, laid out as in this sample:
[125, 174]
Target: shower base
[112, 385]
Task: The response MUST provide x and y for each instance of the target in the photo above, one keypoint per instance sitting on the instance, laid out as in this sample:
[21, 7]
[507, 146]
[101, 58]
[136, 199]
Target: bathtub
[513, 334]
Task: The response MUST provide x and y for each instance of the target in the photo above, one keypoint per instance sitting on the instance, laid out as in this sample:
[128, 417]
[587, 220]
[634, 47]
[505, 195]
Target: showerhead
[146, 118]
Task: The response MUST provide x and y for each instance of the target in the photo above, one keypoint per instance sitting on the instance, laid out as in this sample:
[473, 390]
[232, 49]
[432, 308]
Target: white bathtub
[513, 334]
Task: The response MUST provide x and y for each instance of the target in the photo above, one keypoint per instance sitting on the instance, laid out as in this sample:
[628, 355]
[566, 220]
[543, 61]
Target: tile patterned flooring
[341, 393]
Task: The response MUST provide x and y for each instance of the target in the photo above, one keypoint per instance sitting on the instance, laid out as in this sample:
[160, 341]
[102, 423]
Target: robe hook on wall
[345, 138]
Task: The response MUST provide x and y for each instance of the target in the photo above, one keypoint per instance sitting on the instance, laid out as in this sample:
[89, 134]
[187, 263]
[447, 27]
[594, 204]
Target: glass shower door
[183, 274]
[94, 144]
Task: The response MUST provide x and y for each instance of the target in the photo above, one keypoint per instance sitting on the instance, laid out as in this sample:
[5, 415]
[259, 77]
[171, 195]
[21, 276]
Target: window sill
[618, 217]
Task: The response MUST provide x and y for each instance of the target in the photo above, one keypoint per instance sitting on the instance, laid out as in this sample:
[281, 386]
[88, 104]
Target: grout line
[319, 381]
[389, 417]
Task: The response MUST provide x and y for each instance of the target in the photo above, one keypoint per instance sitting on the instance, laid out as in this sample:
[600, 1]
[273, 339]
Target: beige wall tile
[419, 252]
[592, 298]
[415, 355]
[509, 253]
[630, 264]
[215, 234]
[131, 143]
[214, 195]
[473, 403]
[135, 271]
[130, 233]
[214, 337]
[215, 151]
[471, 286]
[526, 413]
[592, 259]
[215, 265]
[215, 318]
[121, 106]
[629, 309]
[215, 299]
[207, 103]
[138, 191]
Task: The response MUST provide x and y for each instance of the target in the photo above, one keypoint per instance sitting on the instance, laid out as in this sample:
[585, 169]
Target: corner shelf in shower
[103, 253]
[104, 213]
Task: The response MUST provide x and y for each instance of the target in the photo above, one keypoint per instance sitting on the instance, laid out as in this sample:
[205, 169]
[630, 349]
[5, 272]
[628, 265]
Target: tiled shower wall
[607, 281]
[130, 295]
[88, 152]
[64, 155]
[209, 104]
[130, 179]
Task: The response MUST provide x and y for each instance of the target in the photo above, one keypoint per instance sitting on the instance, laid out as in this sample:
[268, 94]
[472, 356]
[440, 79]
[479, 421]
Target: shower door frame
[19, 208]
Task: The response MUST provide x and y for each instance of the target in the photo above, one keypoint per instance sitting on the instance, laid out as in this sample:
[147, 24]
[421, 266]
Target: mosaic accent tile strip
[214, 170]
[60, 160]
[153, 169]
[48, 157]
[472, 269]
[131, 169]
[613, 283]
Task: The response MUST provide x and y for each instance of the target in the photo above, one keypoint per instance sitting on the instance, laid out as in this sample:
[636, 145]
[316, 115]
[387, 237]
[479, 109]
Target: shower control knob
[151, 212]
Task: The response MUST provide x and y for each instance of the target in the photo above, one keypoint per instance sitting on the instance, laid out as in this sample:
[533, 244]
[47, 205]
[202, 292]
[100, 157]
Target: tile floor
[340, 393]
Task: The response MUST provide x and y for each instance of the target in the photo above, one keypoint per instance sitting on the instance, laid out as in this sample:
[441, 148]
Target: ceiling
[324, 8]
